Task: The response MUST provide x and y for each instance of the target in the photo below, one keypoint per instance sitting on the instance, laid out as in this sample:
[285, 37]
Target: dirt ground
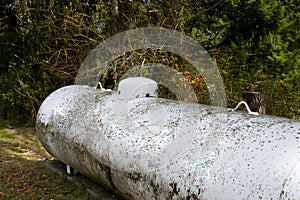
[23, 174]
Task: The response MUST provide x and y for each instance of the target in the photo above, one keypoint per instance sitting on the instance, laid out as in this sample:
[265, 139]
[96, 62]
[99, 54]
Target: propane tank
[144, 147]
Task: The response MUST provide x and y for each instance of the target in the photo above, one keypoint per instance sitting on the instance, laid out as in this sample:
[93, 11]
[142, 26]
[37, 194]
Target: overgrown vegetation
[22, 171]
[255, 44]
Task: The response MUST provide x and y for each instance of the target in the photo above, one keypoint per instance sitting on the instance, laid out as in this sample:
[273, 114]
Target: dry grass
[23, 174]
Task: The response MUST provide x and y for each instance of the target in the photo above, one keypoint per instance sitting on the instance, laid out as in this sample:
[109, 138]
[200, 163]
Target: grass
[23, 174]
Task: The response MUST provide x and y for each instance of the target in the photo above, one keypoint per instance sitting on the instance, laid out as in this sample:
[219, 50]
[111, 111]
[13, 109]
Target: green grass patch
[23, 174]
[4, 134]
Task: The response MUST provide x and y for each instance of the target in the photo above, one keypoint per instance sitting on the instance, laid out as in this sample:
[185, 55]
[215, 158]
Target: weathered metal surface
[231, 155]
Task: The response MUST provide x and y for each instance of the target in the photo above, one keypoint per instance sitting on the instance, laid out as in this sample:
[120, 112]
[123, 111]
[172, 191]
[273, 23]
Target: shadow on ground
[27, 171]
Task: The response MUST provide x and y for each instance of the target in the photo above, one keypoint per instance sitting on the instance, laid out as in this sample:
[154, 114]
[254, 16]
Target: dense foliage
[255, 43]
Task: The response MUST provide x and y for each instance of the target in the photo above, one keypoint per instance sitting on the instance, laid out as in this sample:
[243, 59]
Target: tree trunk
[255, 100]
[174, 14]
[114, 15]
